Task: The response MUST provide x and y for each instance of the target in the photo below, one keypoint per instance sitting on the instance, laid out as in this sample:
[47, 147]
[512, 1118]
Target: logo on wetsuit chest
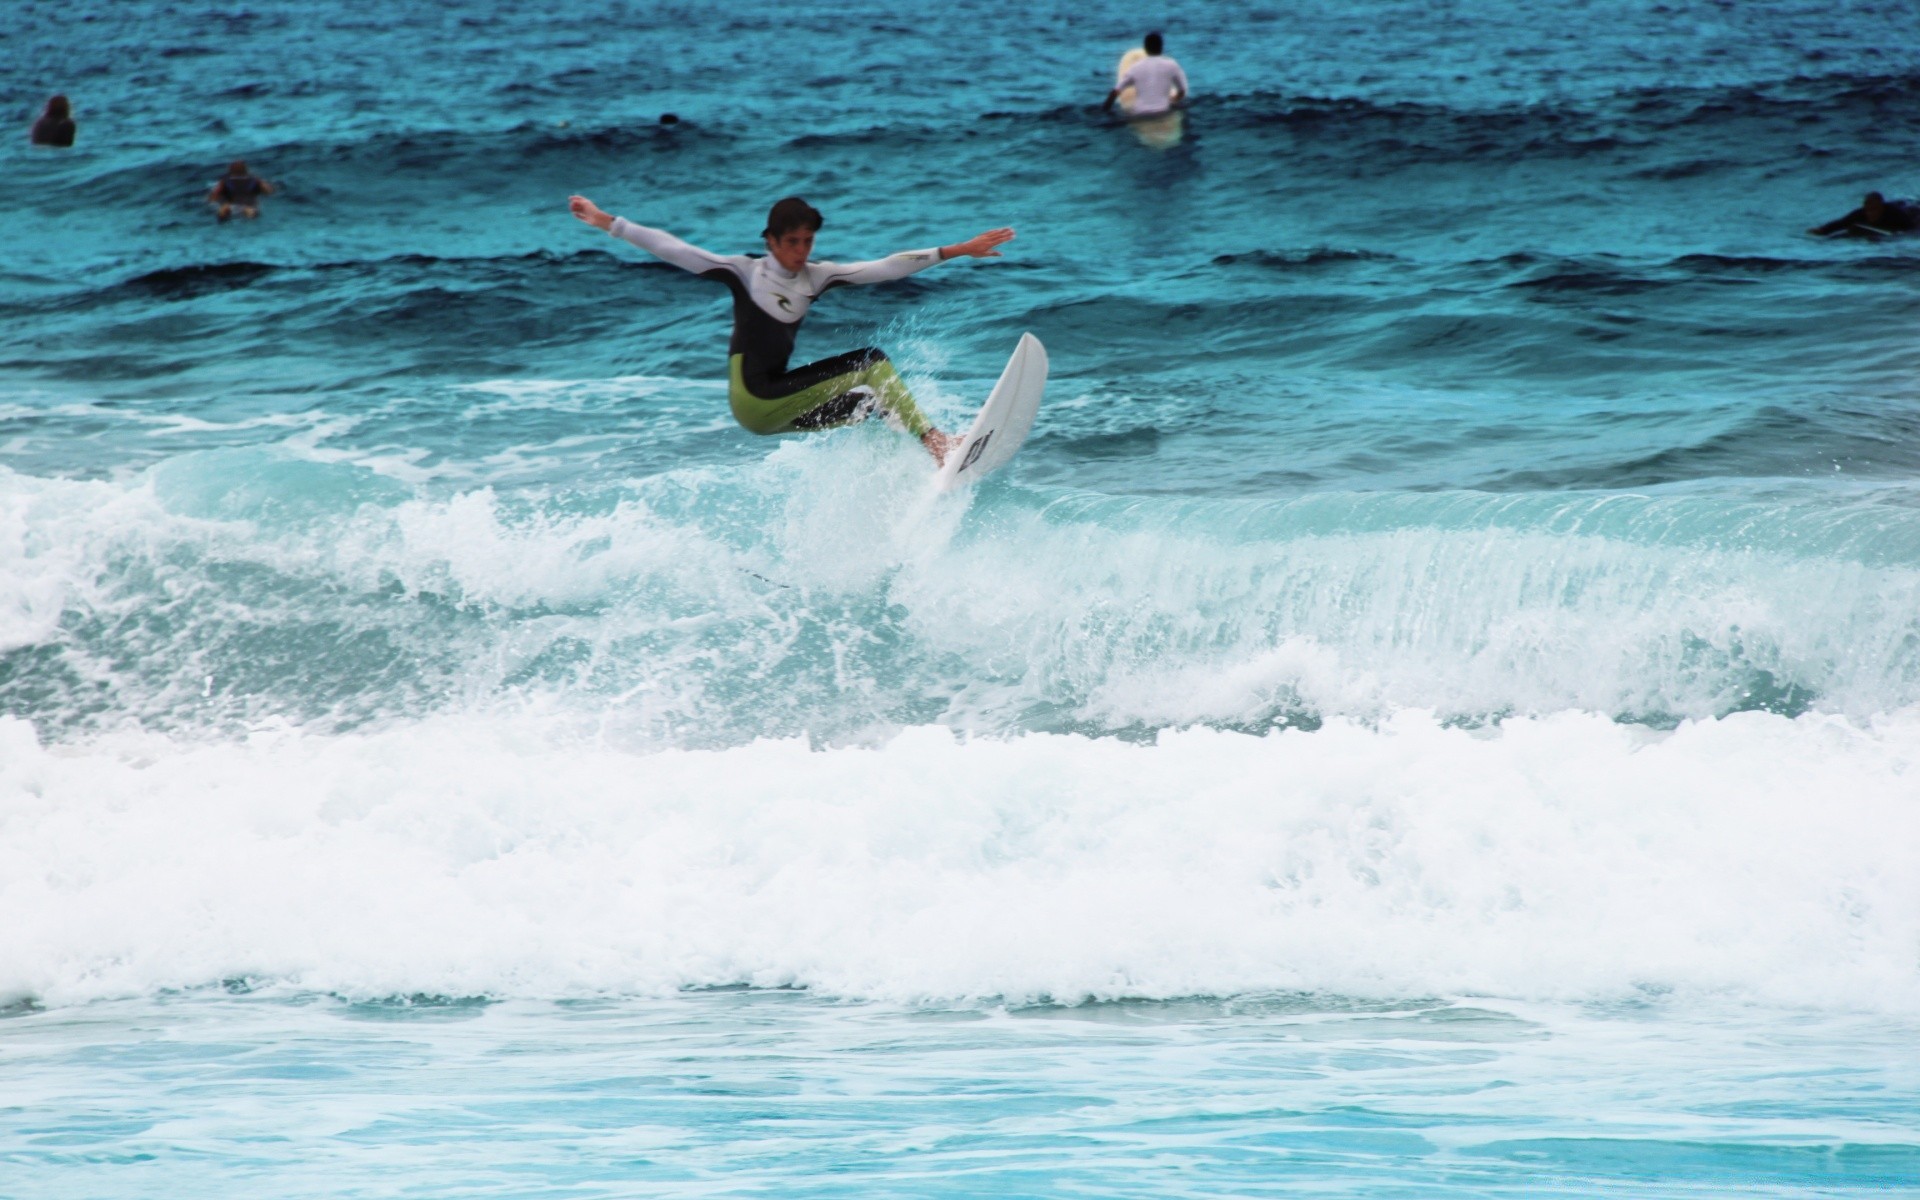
[973, 452]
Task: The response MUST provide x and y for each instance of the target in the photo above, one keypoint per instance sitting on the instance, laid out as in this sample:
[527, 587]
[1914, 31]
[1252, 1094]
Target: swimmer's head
[1873, 205]
[791, 224]
[237, 167]
[1153, 43]
[58, 109]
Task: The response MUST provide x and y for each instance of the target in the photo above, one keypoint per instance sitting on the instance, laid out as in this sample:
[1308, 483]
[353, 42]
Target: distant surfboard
[1857, 229]
[1003, 421]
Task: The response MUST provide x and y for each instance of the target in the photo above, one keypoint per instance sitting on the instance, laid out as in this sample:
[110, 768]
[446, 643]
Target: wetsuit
[243, 190]
[1896, 216]
[50, 130]
[769, 303]
[1153, 80]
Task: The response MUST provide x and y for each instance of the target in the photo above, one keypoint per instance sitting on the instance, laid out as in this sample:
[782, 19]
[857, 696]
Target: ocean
[1432, 711]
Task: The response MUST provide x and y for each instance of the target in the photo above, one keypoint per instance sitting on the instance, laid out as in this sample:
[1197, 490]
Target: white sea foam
[826, 590]
[563, 782]
[1755, 857]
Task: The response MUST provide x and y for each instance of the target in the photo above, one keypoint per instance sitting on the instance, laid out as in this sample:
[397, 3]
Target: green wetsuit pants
[817, 396]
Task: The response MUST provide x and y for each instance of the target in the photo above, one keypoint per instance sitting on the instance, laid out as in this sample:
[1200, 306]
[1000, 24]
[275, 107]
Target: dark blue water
[1463, 576]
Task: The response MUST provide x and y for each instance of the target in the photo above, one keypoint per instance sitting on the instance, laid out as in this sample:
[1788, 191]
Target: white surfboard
[1003, 421]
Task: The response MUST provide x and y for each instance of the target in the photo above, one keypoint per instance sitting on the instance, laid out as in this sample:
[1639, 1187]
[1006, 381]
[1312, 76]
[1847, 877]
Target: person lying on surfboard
[1877, 216]
[771, 296]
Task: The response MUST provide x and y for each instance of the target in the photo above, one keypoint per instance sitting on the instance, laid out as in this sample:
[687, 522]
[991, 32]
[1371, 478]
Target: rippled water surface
[778, 1094]
[1433, 710]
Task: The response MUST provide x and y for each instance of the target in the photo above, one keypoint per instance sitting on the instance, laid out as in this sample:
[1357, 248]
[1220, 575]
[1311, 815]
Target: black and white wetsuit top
[769, 301]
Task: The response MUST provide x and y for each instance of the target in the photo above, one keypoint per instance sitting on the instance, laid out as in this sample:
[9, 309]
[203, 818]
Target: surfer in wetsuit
[238, 189]
[55, 126]
[771, 296]
[1876, 216]
[1157, 81]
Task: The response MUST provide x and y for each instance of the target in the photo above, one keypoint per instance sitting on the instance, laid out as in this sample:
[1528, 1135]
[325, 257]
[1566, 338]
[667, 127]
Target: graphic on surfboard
[1003, 421]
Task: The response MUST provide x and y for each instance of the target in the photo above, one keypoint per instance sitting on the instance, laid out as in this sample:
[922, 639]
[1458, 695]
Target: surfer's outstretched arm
[899, 266]
[657, 242]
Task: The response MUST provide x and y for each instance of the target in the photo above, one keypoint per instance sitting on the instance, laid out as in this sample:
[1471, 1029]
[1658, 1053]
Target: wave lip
[704, 608]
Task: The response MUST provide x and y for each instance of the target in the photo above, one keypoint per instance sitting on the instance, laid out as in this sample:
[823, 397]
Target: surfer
[1876, 217]
[55, 126]
[239, 189]
[771, 297]
[1157, 81]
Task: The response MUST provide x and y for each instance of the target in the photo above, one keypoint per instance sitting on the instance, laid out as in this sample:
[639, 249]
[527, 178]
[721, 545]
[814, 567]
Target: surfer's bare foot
[938, 444]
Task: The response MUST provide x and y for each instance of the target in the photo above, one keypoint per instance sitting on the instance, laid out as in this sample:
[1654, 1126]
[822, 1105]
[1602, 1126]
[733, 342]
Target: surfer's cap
[790, 214]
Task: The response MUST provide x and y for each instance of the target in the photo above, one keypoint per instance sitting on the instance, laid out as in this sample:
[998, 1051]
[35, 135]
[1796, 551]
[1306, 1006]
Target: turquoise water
[770, 1092]
[1433, 710]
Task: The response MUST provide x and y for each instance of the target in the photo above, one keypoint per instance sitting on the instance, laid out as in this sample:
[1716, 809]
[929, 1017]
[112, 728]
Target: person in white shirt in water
[1157, 81]
[771, 296]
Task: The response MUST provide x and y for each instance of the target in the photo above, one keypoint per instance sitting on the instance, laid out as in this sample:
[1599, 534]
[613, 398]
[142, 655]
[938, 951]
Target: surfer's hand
[589, 212]
[982, 246]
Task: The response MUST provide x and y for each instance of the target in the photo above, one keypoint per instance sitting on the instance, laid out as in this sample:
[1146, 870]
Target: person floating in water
[771, 297]
[1157, 81]
[55, 126]
[239, 190]
[1876, 217]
